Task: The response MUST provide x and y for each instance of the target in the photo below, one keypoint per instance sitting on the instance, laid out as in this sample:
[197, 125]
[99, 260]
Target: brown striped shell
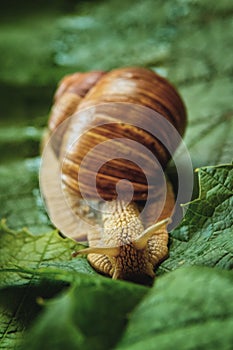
[135, 86]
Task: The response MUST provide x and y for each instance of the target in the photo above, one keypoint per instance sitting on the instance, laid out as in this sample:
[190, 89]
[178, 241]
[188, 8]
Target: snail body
[128, 246]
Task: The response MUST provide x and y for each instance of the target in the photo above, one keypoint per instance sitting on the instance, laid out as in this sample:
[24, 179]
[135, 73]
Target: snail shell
[137, 86]
[108, 94]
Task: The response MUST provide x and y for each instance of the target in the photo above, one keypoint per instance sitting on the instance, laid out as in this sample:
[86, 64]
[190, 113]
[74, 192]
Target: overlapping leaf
[206, 232]
[190, 308]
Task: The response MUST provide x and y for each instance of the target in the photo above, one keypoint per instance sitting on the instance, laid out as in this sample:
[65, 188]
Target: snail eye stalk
[141, 242]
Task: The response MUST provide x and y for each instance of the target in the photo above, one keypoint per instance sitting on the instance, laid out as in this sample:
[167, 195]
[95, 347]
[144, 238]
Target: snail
[123, 244]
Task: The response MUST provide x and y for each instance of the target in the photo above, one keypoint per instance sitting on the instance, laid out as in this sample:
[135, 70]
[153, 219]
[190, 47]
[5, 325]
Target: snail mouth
[141, 278]
[132, 265]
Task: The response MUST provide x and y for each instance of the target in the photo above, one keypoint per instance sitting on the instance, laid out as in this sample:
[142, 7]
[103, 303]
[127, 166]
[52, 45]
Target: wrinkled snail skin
[131, 255]
[126, 248]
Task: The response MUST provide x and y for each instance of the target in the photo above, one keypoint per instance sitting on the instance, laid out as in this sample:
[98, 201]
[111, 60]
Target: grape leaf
[24, 250]
[204, 236]
[19, 308]
[190, 308]
[20, 251]
[21, 202]
[73, 321]
[210, 121]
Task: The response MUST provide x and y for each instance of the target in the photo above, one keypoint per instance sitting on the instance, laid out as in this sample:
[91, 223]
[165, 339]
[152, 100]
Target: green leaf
[22, 255]
[210, 121]
[19, 308]
[23, 140]
[22, 204]
[201, 67]
[90, 315]
[191, 308]
[205, 235]
[22, 250]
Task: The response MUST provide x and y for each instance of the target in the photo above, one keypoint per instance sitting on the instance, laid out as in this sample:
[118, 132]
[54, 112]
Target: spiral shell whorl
[107, 94]
[139, 86]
